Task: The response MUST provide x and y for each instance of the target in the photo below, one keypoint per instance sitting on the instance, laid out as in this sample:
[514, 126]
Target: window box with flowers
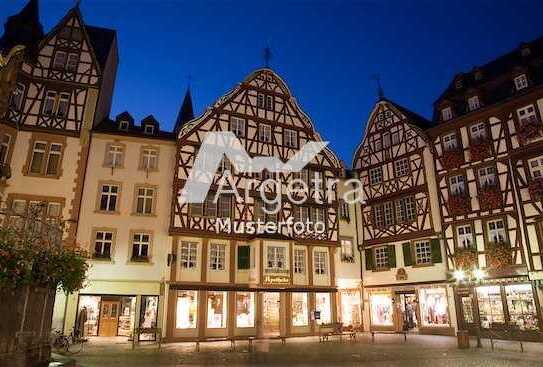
[498, 255]
[459, 204]
[529, 128]
[465, 258]
[536, 189]
[490, 197]
[480, 149]
[452, 158]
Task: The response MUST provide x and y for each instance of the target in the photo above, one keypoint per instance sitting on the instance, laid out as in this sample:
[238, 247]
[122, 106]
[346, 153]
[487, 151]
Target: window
[217, 253]
[317, 215]
[189, 255]
[114, 156]
[145, 197]
[381, 257]
[16, 98]
[320, 262]
[123, 125]
[224, 207]
[108, 197]
[395, 138]
[237, 126]
[149, 159]
[264, 133]
[216, 310]
[5, 141]
[401, 167]
[260, 101]
[527, 115]
[269, 103]
[446, 114]
[388, 209]
[487, 176]
[464, 236]
[323, 307]
[53, 159]
[521, 82]
[423, 253]
[71, 65]
[478, 131]
[376, 175]
[38, 156]
[63, 103]
[381, 309]
[490, 306]
[60, 60]
[434, 306]
[149, 129]
[344, 210]
[536, 167]
[261, 215]
[405, 209]
[276, 257]
[521, 306]
[347, 251]
[300, 311]
[49, 104]
[457, 184]
[103, 243]
[245, 309]
[196, 209]
[141, 243]
[473, 103]
[186, 310]
[496, 230]
[378, 216]
[449, 142]
[299, 261]
[244, 257]
[291, 138]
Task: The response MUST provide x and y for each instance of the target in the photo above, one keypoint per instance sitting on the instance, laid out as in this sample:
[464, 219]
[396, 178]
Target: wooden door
[109, 318]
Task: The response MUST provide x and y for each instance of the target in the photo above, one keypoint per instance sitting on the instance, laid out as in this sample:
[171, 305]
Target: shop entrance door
[109, 318]
[271, 303]
[408, 311]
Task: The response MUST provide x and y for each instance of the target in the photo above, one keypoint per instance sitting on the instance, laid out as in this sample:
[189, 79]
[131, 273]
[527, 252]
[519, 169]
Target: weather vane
[267, 56]
[380, 91]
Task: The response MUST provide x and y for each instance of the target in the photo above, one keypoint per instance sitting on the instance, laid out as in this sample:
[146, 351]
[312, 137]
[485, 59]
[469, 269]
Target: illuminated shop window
[216, 310]
[350, 307]
[434, 307]
[322, 304]
[187, 306]
[148, 315]
[381, 309]
[300, 316]
[490, 306]
[521, 306]
[89, 306]
[245, 309]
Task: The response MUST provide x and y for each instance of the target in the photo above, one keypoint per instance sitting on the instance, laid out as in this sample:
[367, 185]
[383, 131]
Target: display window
[521, 306]
[324, 307]
[245, 309]
[434, 306]
[381, 309]
[127, 315]
[88, 314]
[148, 315]
[300, 314]
[467, 309]
[216, 310]
[186, 310]
[490, 306]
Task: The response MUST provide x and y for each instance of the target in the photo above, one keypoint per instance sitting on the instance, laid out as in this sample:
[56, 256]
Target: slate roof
[101, 40]
[186, 112]
[413, 117]
[109, 126]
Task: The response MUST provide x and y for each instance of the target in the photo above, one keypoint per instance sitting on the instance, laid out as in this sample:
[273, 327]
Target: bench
[233, 339]
[502, 334]
[138, 331]
[373, 332]
[335, 329]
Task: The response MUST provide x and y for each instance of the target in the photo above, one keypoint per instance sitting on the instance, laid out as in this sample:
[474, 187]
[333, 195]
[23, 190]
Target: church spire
[23, 28]
[186, 112]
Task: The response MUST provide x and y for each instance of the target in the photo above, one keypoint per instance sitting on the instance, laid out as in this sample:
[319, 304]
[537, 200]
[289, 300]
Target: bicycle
[71, 344]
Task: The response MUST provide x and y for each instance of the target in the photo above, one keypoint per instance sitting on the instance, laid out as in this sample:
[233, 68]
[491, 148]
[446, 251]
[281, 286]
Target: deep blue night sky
[325, 50]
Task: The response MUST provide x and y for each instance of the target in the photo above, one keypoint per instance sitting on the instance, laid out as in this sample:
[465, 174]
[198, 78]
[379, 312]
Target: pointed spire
[23, 28]
[380, 91]
[267, 56]
[186, 112]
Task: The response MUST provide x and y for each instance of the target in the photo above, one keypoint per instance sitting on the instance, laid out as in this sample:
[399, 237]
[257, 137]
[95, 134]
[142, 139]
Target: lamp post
[471, 278]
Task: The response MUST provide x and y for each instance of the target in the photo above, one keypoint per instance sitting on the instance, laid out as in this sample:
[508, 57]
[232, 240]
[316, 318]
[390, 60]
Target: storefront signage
[271, 279]
[535, 275]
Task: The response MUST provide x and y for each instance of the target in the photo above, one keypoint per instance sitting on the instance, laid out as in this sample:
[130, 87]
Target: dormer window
[149, 129]
[123, 125]
[458, 83]
[473, 103]
[446, 114]
[521, 82]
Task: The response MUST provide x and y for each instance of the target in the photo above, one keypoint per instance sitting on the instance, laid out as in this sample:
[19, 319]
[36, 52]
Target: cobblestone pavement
[388, 350]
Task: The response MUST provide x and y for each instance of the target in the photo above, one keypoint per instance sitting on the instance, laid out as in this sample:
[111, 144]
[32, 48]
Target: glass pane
[245, 309]
[186, 310]
[323, 308]
[490, 306]
[434, 307]
[381, 309]
[148, 315]
[216, 310]
[521, 306]
[300, 314]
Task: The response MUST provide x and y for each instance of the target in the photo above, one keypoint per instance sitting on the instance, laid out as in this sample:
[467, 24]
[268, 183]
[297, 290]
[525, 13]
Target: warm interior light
[459, 275]
[479, 274]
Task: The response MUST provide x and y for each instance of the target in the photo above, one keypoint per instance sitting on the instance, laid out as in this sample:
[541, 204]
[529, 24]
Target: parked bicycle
[72, 343]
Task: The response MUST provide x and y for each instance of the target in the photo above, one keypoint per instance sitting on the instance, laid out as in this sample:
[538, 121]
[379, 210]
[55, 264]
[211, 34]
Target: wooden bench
[233, 339]
[157, 332]
[388, 332]
[502, 334]
[335, 329]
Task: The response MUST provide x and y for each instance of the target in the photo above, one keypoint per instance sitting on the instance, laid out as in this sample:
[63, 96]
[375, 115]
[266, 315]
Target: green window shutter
[391, 256]
[369, 259]
[244, 257]
[436, 250]
[407, 255]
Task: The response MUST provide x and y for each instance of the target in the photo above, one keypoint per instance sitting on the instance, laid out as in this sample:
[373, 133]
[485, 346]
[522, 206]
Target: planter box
[479, 150]
[451, 159]
[490, 198]
[498, 255]
[459, 205]
[465, 258]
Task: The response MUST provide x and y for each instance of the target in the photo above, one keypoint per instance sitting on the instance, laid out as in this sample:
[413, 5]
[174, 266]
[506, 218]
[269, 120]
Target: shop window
[434, 306]
[321, 266]
[88, 310]
[381, 309]
[521, 306]
[217, 254]
[127, 315]
[245, 309]
[324, 307]
[350, 302]
[244, 257]
[299, 261]
[148, 315]
[188, 255]
[216, 310]
[347, 251]
[300, 314]
[186, 310]
[467, 309]
[490, 306]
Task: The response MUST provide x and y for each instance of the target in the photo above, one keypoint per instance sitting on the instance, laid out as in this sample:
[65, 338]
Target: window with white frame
[103, 244]
[49, 103]
[59, 60]
[188, 255]
[381, 257]
[423, 252]
[217, 253]
[38, 156]
[264, 133]
[53, 159]
[388, 212]
[527, 114]
[473, 103]
[276, 257]
[347, 251]
[487, 176]
[378, 216]
[63, 103]
[376, 175]
[123, 125]
[71, 64]
[109, 195]
[141, 243]
[446, 113]
[405, 209]
[145, 197]
[521, 82]
[299, 261]
[291, 138]
[237, 125]
[401, 167]
[5, 144]
[478, 131]
[114, 155]
[149, 129]
[449, 141]
[496, 230]
[16, 98]
[320, 262]
[269, 103]
[536, 167]
[457, 184]
[464, 236]
[149, 159]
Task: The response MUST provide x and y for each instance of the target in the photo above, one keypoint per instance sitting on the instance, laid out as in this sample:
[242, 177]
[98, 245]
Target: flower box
[451, 159]
[465, 258]
[498, 255]
[459, 204]
[490, 197]
[529, 128]
[480, 149]
[536, 189]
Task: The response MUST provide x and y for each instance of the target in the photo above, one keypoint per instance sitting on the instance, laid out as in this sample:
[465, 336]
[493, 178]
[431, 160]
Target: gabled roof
[101, 40]
[186, 112]
[413, 117]
[109, 126]
[23, 28]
